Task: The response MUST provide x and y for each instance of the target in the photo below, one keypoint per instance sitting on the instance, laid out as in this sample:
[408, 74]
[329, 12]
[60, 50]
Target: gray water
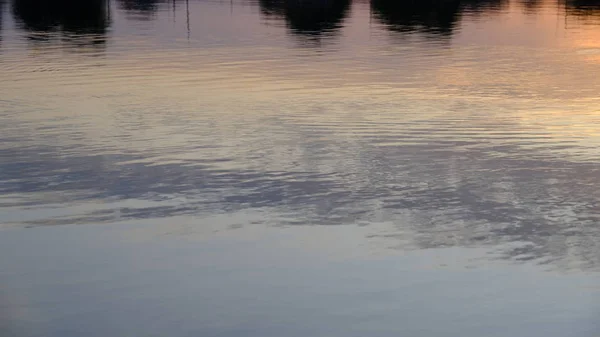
[299, 168]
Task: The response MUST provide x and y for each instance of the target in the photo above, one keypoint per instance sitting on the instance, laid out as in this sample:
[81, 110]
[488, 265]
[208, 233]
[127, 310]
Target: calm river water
[299, 168]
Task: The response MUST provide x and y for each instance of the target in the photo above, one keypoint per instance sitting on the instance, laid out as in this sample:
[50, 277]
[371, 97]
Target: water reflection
[140, 9]
[531, 6]
[426, 184]
[433, 17]
[483, 6]
[542, 210]
[583, 9]
[80, 22]
[312, 18]
[1, 18]
[268, 179]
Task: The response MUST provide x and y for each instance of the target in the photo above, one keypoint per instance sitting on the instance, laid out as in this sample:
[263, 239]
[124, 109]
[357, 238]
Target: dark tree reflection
[144, 10]
[483, 6]
[531, 6]
[140, 9]
[583, 9]
[71, 16]
[437, 17]
[1, 16]
[311, 18]
[432, 17]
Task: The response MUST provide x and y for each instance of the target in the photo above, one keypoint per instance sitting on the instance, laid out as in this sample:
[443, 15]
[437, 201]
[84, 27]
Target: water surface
[299, 168]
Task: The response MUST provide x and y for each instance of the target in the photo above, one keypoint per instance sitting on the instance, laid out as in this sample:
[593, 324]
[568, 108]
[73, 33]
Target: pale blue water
[299, 168]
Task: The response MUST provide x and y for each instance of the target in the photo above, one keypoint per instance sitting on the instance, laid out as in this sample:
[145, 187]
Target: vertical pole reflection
[187, 14]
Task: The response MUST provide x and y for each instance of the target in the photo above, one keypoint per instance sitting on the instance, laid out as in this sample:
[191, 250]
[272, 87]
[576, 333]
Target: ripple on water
[415, 125]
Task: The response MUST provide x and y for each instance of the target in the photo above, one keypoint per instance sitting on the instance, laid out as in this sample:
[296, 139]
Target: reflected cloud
[540, 210]
[312, 19]
[78, 22]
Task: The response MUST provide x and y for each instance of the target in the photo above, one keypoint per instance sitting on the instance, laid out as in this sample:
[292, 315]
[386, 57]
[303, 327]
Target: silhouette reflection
[83, 22]
[531, 6]
[583, 9]
[437, 17]
[80, 17]
[483, 6]
[140, 9]
[309, 18]
[1, 17]
[432, 17]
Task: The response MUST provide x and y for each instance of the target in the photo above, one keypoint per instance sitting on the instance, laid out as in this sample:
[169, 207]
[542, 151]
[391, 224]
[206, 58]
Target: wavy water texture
[421, 130]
